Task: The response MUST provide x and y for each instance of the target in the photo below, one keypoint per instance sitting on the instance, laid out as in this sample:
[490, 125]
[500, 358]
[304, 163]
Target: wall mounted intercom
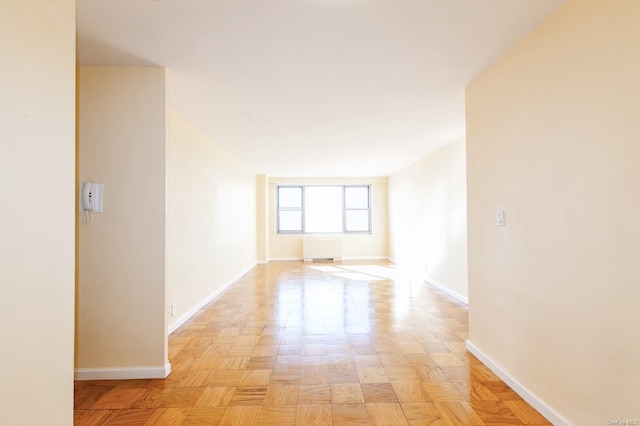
[90, 199]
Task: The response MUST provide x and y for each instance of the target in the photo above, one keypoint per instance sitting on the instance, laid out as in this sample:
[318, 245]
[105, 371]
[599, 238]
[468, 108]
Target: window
[316, 209]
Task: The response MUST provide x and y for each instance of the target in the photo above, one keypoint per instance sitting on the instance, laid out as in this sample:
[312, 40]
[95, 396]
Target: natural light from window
[323, 209]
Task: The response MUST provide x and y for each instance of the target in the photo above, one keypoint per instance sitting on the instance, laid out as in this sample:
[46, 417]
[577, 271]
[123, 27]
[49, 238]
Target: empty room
[320, 212]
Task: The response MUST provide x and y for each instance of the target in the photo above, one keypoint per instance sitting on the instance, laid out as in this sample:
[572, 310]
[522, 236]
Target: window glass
[356, 197]
[290, 197]
[322, 209]
[357, 220]
[290, 220]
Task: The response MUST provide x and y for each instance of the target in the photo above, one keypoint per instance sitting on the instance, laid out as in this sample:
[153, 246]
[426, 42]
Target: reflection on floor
[300, 344]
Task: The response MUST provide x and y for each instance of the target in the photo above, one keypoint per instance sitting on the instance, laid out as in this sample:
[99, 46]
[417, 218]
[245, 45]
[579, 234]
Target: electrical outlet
[173, 309]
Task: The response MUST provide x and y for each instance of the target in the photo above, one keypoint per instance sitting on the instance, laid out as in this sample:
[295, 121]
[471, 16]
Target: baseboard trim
[126, 373]
[460, 298]
[536, 402]
[285, 259]
[352, 258]
[262, 262]
[191, 312]
[392, 260]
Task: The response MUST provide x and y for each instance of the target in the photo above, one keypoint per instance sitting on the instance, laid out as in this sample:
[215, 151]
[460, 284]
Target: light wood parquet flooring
[296, 343]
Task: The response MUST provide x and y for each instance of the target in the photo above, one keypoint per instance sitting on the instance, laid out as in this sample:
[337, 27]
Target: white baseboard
[355, 258]
[123, 373]
[262, 262]
[533, 400]
[187, 315]
[445, 289]
[392, 260]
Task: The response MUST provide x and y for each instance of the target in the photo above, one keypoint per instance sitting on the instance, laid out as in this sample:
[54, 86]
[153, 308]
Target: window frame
[344, 231]
[289, 209]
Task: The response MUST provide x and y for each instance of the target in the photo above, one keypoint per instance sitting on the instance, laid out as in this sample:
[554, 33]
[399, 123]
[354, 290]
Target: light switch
[500, 217]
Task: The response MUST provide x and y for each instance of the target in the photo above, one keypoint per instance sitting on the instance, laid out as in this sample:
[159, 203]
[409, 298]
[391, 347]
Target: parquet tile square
[132, 417]
[226, 378]
[423, 413]
[288, 344]
[314, 394]
[386, 414]
[219, 396]
[255, 377]
[393, 360]
[168, 417]
[457, 413]
[241, 415]
[378, 392]
[410, 392]
[204, 416]
[92, 417]
[445, 359]
[151, 398]
[281, 395]
[234, 363]
[289, 376]
[85, 398]
[197, 378]
[343, 375]
[373, 375]
[493, 412]
[525, 413]
[249, 395]
[349, 414]
[314, 375]
[182, 398]
[402, 374]
[118, 398]
[444, 392]
[280, 415]
[316, 414]
[346, 393]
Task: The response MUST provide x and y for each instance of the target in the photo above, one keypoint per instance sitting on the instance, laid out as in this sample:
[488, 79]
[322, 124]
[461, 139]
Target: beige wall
[121, 281]
[554, 138]
[262, 219]
[211, 219]
[355, 246]
[37, 162]
[428, 219]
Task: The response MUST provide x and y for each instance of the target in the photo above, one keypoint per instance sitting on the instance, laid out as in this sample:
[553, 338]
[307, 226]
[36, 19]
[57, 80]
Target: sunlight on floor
[360, 272]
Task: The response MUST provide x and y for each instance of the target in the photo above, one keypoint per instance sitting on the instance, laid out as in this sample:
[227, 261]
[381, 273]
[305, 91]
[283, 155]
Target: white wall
[211, 219]
[262, 218]
[37, 194]
[121, 252]
[553, 137]
[355, 246]
[428, 219]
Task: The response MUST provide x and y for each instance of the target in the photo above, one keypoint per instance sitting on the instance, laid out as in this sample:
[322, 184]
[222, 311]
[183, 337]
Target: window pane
[357, 220]
[356, 197]
[290, 220]
[323, 209]
[290, 197]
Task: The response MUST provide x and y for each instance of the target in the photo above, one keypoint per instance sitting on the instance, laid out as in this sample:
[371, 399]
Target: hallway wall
[121, 252]
[553, 139]
[428, 219]
[37, 194]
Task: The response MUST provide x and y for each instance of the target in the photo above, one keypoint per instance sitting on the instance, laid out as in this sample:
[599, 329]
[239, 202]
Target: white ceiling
[313, 87]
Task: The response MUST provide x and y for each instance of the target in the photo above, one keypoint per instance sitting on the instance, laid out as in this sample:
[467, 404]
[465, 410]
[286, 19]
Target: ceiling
[313, 87]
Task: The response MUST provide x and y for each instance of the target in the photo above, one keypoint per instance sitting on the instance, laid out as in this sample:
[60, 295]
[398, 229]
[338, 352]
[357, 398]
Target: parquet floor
[316, 344]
